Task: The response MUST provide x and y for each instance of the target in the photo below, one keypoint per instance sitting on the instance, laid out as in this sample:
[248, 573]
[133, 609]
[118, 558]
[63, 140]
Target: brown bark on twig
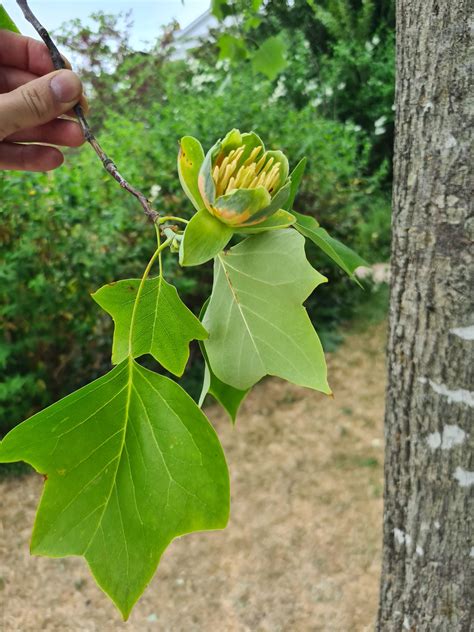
[107, 163]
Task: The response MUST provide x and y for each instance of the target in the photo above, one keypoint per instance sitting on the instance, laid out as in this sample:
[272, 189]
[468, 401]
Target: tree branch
[107, 163]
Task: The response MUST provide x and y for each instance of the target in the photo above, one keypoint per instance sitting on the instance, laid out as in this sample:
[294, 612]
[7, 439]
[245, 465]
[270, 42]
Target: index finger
[25, 53]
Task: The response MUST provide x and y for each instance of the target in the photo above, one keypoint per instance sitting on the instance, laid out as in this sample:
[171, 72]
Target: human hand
[32, 97]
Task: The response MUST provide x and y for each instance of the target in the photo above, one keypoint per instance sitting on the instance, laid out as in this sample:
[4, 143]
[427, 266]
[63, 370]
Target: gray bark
[429, 471]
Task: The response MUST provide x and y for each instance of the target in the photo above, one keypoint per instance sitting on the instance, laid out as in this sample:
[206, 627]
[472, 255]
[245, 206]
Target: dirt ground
[301, 552]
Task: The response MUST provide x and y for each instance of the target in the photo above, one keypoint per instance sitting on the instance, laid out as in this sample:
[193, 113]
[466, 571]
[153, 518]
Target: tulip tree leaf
[190, 159]
[223, 8]
[280, 219]
[203, 238]
[231, 47]
[256, 321]
[6, 22]
[130, 463]
[295, 177]
[270, 58]
[217, 8]
[256, 4]
[345, 258]
[163, 326]
[229, 398]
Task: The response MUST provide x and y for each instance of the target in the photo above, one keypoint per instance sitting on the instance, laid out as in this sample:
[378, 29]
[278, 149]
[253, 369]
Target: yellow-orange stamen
[260, 164]
[253, 156]
[228, 175]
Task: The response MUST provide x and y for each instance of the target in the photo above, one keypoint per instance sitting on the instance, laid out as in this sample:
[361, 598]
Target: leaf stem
[172, 218]
[156, 254]
[158, 241]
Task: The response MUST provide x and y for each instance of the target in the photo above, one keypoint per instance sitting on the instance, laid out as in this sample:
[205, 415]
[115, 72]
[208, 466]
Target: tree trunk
[429, 477]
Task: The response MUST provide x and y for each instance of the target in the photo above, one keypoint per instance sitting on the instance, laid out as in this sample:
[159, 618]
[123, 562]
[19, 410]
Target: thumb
[38, 101]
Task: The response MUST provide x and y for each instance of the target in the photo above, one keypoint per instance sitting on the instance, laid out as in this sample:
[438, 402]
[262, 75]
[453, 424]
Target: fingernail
[66, 86]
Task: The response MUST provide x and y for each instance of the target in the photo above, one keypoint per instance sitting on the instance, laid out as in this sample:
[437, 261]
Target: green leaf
[229, 398]
[255, 319]
[204, 237]
[130, 463]
[345, 258]
[231, 47]
[217, 8]
[252, 22]
[190, 159]
[162, 326]
[295, 177]
[270, 58]
[280, 219]
[6, 22]
[223, 8]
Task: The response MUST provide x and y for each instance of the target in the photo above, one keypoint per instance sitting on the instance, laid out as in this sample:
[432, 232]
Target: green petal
[205, 236]
[206, 184]
[278, 202]
[280, 219]
[251, 140]
[232, 140]
[190, 159]
[239, 206]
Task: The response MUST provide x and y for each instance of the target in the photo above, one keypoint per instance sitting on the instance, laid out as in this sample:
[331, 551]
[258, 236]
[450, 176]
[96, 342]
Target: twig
[107, 163]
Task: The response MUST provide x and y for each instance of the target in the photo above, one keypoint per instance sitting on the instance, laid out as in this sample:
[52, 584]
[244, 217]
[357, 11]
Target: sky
[147, 16]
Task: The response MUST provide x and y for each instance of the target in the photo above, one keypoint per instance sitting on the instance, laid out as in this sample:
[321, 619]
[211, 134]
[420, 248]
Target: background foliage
[66, 233]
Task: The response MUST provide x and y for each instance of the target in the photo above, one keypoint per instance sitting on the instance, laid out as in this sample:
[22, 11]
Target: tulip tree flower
[238, 183]
[242, 184]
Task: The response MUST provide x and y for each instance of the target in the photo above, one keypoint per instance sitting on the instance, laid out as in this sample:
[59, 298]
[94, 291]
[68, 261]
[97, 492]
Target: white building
[190, 37]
